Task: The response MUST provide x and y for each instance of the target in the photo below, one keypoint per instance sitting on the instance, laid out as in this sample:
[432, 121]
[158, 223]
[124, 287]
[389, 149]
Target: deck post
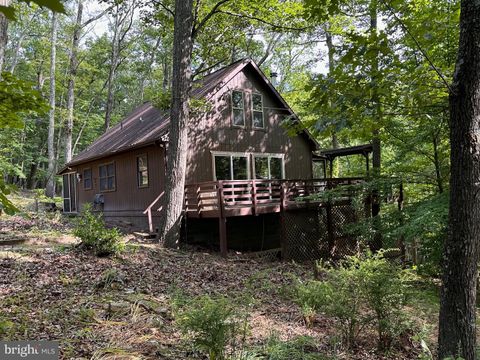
[254, 197]
[150, 222]
[331, 236]
[367, 163]
[199, 201]
[222, 221]
[283, 233]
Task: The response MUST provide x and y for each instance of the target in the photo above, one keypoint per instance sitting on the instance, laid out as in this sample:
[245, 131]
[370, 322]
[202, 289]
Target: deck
[254, 197]
[223, 199]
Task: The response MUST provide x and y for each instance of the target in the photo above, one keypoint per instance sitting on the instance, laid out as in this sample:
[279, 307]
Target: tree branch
[215, 10]
[96, 17]
[271, 44]
[424, 53]
[165, 7]
[263, 21]
[201, 70]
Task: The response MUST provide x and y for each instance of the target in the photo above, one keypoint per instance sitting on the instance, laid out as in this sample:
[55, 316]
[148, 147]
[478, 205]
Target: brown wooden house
[237, 142]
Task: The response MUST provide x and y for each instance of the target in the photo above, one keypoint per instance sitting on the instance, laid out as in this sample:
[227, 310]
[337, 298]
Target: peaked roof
[146, 124]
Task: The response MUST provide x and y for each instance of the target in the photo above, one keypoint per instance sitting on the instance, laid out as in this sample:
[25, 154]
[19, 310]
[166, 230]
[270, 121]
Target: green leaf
[54, 5]
[8, 11]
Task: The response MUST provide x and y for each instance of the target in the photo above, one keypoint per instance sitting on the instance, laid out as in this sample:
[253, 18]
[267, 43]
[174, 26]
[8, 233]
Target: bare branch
[263, 21]
[165, 7]
[215, 10]
[96, 17]
[202, 70]
[272, 43]
[424, 53]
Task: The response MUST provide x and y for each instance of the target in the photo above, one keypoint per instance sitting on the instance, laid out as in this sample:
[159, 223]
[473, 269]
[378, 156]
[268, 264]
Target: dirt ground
[121, 307]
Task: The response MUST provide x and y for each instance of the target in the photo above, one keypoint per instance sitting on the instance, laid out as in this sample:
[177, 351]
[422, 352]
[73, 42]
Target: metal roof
[352, 150]
[146, 124]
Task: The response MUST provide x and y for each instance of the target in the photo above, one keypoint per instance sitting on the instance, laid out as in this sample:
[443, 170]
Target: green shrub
[336, 296]
[300, 348]
[384, 289]
[5, 327]
[361, 291]
[91, 230]
[212, 324]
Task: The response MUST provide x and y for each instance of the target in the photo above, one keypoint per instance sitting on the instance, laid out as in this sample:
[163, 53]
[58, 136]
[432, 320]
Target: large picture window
[231, 167]
[257, 111]
[268, 167]
[142, 170]
[238, 108]
[106, 174]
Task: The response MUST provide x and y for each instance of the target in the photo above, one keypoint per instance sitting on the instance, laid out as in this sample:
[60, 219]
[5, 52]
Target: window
[268, 167]
[107, 177]
[238, 110]
[87, 179]
[257, 111]
[231, 167]
[142, 171]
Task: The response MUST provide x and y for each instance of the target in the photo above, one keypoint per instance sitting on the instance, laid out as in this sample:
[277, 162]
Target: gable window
[238, 109]
[142, 170]
[106, 174]
[269, 166]
[257, 111]
[231, 167]
[87, 179]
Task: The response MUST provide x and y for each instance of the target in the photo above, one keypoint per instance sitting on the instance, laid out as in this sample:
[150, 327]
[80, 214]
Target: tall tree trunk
[376, 156]
[50, 188]
[72, 73]
[331, 68]
[166, 77]
[3, 38]
[179, 114]
[436, 159]
[148, 73]
[376, 144]
[123, 21]
[457, 329]
[39, 141]
[112, 72]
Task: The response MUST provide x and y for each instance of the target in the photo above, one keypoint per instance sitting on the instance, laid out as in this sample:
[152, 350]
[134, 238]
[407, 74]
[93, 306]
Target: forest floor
[121, 307]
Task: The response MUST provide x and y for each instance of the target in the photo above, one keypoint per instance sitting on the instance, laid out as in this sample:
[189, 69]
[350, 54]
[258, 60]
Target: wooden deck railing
[251, 197]
[150, 208]
[226, 198]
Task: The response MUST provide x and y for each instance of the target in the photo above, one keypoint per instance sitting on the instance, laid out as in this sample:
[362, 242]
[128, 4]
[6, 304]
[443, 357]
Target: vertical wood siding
[211, 131]
[127, 199]
[214, 132]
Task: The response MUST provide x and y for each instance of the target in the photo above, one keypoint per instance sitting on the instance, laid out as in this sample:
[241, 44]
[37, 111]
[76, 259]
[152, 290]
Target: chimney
[273, 78]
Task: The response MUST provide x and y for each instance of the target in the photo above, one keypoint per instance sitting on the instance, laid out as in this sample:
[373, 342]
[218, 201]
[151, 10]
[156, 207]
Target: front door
[69, 193]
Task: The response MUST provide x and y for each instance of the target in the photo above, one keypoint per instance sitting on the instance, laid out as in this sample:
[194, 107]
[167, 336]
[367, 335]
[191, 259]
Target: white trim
[269, 156]
[258, 111]
[237, 108]
[250, 161]
[230, 154]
